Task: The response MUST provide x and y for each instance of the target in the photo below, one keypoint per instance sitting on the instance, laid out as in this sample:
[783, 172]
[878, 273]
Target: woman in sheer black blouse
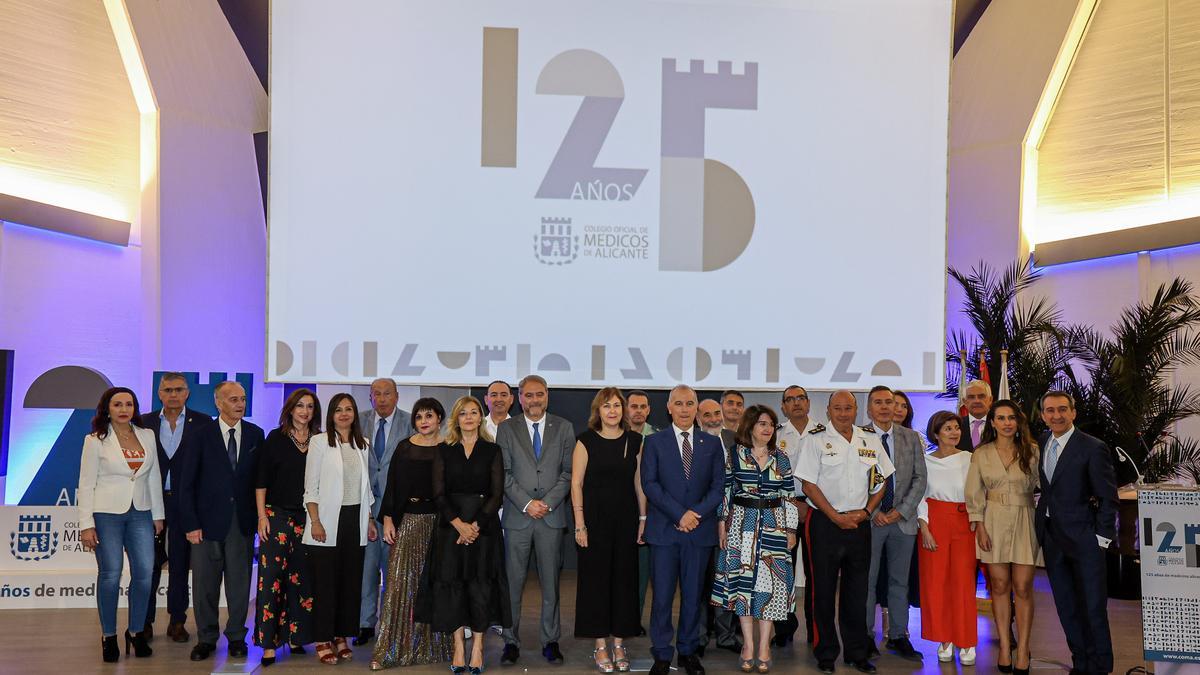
[464, 584]
[409, 518]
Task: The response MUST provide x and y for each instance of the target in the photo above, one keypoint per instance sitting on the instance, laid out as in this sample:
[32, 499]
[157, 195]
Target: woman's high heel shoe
[602, 666]
[109, 650]
[764, 667]
[621, 658]
[138, 642]
[457, 670]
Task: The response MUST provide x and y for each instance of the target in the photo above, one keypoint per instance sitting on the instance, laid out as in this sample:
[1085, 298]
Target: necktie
[976, 427]
[686, 456]
[1051, 459]
[232, 447]
[889, 488]
[537, 441]
[380, 439]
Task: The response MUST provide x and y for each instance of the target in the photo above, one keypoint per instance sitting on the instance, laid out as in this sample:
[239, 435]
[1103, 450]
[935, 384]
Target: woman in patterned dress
[757, 531]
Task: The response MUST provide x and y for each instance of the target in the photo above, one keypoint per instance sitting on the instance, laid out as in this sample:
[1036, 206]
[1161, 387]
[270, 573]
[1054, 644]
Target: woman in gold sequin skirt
[409, 520]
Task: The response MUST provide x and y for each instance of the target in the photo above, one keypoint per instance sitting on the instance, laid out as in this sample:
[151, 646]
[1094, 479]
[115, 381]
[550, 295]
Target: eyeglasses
[795, 399]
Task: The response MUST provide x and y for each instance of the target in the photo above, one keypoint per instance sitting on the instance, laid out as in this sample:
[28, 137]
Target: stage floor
[67, 641]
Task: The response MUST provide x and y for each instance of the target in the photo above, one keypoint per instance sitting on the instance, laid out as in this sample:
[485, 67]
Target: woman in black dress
[409, 518]
[464, 584]
[606, 490]
[284, 612]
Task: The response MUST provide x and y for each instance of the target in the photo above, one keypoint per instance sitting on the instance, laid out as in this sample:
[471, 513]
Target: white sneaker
[945, 652]
[967, 656]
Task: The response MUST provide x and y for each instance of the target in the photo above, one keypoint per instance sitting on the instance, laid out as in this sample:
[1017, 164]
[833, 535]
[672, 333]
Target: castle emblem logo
[34, 539]
[555, 245]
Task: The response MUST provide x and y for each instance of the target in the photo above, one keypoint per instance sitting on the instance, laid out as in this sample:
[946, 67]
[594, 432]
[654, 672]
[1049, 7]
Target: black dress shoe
[904, 649]
[863, 666]
[510, 655]
[238, 649]
[365, 635]
[202, 651]
[552, 653]
[691, 664]
[700, 651]
[660, 667]
[826, 666]
[177, 632]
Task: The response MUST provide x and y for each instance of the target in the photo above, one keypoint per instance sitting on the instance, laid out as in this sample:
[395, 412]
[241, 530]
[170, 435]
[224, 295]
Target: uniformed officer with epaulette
[843, 469]
[789, 436]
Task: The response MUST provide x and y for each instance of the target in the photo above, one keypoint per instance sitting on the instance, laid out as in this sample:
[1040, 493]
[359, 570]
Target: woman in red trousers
[947, 554]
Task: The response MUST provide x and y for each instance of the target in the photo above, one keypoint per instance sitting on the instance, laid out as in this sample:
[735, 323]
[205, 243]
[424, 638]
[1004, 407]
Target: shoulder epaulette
[869, 428]
[780, 425]
[817, 429]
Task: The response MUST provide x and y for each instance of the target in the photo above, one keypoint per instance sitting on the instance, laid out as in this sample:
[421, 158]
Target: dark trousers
[337, 579]
[720, 623]
[671, 566]
[213, 560]
[643, 578]
[1081, 596]
[786, 629]
[171, 547]
[838, 553]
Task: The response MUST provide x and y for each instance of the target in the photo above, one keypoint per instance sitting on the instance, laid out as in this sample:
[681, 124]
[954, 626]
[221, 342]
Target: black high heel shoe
[138, 642]
[109, 650]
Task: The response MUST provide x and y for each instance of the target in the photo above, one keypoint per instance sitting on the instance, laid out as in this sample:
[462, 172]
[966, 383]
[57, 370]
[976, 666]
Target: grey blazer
[908, 455]
[377, 470]
[527, 478]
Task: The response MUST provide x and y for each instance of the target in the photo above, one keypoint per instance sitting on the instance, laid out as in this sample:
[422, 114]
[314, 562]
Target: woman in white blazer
[338, 497]
[120, 511]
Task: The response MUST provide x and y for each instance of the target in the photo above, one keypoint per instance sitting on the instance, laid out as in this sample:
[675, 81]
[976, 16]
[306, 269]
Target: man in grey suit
[384, 426]
[894, 523]
[537, 450]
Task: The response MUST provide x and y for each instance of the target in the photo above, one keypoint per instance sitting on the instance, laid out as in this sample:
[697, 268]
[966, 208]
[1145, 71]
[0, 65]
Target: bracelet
[580, 529]
[641, 517]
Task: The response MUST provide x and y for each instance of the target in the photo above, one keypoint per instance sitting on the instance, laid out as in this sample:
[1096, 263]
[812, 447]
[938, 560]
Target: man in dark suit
[683, 473]
[537, 449]
[176, 429]
[1075, 522]
[733, 405]
[979, 402]
[217, 510]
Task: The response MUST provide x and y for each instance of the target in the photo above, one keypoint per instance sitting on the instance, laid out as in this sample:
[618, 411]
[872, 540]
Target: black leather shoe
[691, 665]
[863, 666]
[202, 651]
[365, 635]
[700, 651]
[177, 632]
[826, 666]
[109, 651]
[660, 667]
[904, 649]
[552, 653]
[238, 649]
[510, 655]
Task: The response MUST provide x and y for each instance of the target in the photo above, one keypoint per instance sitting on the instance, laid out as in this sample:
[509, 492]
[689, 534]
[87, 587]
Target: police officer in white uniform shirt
[789, 436]
[843, 469]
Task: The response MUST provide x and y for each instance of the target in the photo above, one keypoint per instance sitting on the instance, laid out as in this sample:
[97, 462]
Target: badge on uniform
[866, 452]
[877, 478]
[783, 445]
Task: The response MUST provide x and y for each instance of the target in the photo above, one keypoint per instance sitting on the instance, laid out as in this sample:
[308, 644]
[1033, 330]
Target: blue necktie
[889, 489]
[380, 439]
[232, 447]
[537, 441]
[1051, 459]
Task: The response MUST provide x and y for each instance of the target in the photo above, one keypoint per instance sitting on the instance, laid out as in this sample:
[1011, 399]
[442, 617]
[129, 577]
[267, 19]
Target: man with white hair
[979, 402]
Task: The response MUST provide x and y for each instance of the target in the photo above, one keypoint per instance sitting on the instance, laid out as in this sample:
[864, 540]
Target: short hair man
[733, 404]
[499, 400]
[1075, 522]
[177, 429]
[218, 512]
[637, 411]
[894, 524]
[537, 449]
[843, 470]
[795, 405]
[385, 426]
[979, 402]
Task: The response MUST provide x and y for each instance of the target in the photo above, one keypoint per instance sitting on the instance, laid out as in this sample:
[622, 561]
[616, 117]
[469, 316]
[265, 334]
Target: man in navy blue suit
[217, 511]
[1075, 523]
[683, 473]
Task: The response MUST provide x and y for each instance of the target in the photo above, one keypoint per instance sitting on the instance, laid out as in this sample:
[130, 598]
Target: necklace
[300, 445]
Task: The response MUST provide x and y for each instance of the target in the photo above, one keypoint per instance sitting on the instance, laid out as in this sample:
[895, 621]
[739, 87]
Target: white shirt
[541, 428]
[790, 440]
[493, 427]
[1062, 445]
[237, 434]
[679, 438]
[946, 481]
[843, 469]
[387, 429]
[971, 420]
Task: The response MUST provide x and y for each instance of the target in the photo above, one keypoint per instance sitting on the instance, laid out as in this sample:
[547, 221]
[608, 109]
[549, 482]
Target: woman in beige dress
[1000, 484]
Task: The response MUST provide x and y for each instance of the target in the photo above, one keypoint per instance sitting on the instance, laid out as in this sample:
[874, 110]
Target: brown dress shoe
[177, 632]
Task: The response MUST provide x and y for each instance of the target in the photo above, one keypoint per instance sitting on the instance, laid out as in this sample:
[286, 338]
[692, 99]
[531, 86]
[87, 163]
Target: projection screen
[720, 192]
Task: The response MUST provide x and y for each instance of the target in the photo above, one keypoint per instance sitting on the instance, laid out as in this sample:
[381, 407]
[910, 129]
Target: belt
[1009, 499]
[757, 503]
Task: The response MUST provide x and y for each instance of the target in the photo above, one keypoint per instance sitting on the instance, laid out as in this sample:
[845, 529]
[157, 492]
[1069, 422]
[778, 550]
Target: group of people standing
[726, 508]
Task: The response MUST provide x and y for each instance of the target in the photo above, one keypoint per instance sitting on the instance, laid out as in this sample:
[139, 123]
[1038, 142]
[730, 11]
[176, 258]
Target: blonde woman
[464, 584]
[606, 491]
